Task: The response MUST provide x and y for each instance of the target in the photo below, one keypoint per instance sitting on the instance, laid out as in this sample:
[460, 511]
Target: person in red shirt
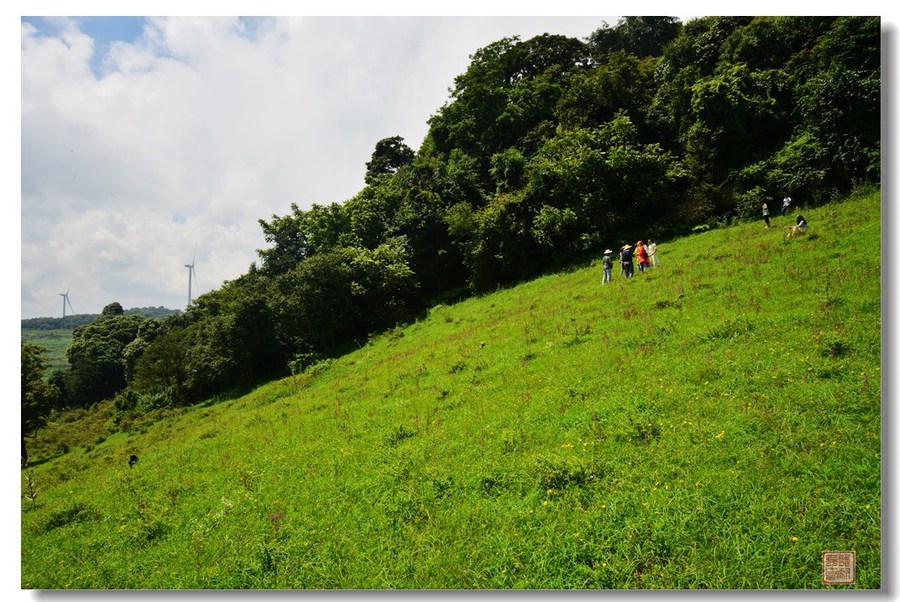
[641, 252]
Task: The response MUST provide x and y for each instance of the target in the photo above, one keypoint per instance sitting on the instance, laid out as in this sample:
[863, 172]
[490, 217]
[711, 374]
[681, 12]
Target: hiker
[653, 260]
[641, 251]
[786, 204]
[607, 266]
[627, 257]
[765, 212]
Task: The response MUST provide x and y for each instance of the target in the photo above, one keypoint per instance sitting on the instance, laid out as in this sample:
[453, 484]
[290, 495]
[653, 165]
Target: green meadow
[713, 423]
[55, 342]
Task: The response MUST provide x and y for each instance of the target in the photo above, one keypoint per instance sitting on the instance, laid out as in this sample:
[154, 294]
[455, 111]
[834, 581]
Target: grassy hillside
[714, 423]
[55, 342]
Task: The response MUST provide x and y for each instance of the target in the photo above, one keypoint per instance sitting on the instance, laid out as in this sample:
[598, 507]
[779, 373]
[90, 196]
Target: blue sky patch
[103, 30]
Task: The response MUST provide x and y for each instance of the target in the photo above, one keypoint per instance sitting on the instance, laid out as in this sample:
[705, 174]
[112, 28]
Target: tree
[38, 397]
[390, 155]
[623, 82]
[113, 309]
[606, 177]
[640, 36]
[302, 234]
[509, 89]
[289, 242]
[97, 356]
[508, 169]
[383, 286]
[313, 305]
[545, 148]
[162, 368]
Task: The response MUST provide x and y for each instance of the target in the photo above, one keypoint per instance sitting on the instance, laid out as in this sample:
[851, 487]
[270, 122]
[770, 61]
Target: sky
[151, 143]
[132, 144]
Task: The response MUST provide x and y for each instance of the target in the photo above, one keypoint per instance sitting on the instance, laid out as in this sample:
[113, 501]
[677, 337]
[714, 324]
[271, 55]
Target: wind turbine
[65, 297]
[191, 273]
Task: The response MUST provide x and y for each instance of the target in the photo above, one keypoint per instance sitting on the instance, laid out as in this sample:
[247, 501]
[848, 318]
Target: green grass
[55, 341]
[714, 423]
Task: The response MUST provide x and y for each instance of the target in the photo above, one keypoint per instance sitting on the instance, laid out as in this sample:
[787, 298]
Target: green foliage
[606, 177]
[840, 111]
[717, 427]
[639, 36]
[113, 309]
[622, 83]
[390, 154]
[749, 203]
[38, 397]
[736, 115]
[313, 303]
[503, 242]
[548, 149]
[553, 226]
[383, 284]
[97, 356]
[509, 88]
[163, 365]
[508, 169]
[68, 323]
[302, 234]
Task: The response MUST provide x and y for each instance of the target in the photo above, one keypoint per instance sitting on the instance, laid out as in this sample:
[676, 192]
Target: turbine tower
[190, 267]
[65, 297]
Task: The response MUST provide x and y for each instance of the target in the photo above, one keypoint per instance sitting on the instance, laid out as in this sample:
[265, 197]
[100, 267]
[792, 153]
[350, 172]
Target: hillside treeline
[548, 150]
[75, 320]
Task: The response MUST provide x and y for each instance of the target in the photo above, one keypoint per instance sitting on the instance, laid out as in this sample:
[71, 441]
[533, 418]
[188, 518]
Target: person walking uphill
[607, 266]
[627, 258]
[786, 204]
[765, 213]
[653, 259]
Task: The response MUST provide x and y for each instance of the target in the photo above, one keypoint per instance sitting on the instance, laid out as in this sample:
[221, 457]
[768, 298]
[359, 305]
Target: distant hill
[74, 321]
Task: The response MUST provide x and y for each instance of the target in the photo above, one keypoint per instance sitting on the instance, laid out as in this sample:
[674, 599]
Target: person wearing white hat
[607, 266]
[627, 259]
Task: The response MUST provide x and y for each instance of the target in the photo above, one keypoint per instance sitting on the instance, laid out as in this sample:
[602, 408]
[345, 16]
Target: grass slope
[55, 341]
[714, 423]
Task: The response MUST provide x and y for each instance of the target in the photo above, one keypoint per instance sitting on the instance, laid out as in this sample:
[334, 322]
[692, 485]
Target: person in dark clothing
[627, 261]
[800, 228]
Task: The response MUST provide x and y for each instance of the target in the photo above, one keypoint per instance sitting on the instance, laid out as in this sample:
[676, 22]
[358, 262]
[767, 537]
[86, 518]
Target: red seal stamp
[838, 568]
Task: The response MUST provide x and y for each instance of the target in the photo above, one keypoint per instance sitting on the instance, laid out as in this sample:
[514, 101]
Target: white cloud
[204, 125]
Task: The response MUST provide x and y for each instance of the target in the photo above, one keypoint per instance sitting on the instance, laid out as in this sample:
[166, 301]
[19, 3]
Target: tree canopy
[547, 150]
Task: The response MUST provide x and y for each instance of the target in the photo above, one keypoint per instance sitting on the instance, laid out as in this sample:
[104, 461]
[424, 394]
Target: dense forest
[547, 151]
